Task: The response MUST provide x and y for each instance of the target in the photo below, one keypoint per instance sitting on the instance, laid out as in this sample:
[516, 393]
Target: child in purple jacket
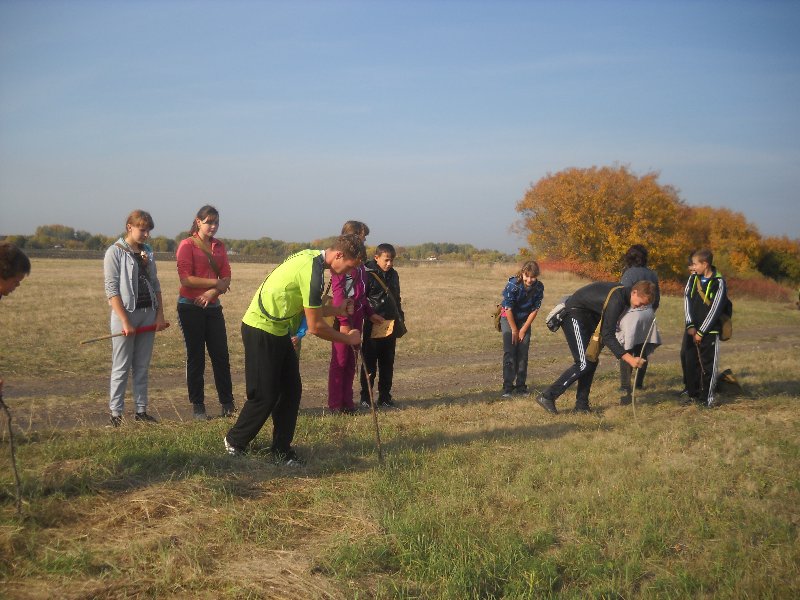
[343, 356]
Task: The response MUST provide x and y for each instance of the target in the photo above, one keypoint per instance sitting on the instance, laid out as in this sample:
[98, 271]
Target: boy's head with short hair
[384, 256]
[349, 252]
[702, 261]
[642, 293]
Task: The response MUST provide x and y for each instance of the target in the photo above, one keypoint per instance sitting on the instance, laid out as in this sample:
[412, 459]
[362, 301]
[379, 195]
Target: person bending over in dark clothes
[585, 308]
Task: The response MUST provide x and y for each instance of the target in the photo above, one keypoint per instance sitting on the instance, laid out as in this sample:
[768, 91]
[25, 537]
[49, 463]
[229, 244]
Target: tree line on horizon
[591, 216]
[584, 218]
[47, 237]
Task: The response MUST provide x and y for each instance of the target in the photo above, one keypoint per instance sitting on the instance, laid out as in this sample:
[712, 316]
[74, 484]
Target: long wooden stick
[636, 371]
[13, 457]
[373, 409]
[144, 329]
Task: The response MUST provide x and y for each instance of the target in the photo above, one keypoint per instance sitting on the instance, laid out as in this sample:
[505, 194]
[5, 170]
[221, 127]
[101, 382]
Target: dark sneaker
[231, 449]
[387, 403]
[547, 404]
[683, 392]
[116, 420]
[199, 412]
[625, 399]
[143, 417]
[287, 459]
[365, 404]
[585, 410]
[228, 410]
[505, 394]
[521, 391]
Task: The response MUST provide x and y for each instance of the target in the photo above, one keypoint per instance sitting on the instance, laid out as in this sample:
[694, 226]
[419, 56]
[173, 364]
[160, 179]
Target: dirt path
[80, 401]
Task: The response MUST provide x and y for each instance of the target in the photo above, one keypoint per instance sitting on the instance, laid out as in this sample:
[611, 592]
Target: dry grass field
[478, 497]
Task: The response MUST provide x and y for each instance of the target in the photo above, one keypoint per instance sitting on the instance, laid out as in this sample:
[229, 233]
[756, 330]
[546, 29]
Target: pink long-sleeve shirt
[193, 261]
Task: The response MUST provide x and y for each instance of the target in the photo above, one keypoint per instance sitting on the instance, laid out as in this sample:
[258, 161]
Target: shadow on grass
[754, 387]
[438, 440]
[751, 387]
[96, 464]
[434, 400]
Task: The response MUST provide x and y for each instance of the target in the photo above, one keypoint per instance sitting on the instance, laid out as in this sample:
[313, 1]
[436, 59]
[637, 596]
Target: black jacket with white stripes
[587, 305]
[705, 318]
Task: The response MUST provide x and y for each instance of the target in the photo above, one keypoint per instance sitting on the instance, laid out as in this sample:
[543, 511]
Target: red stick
[144, 329]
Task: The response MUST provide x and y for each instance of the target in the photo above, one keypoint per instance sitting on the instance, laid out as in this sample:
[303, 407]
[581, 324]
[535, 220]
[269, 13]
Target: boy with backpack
[706, 306]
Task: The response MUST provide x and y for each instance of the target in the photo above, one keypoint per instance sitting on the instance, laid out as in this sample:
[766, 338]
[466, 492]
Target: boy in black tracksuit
[584, 310]
[704, 301]
[379, 352]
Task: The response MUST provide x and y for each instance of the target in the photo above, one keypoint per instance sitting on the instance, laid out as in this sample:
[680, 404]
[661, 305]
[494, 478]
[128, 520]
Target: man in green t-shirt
[271, 366]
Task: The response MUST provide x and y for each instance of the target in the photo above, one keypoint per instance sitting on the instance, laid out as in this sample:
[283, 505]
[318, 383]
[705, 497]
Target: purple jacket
[352, 285]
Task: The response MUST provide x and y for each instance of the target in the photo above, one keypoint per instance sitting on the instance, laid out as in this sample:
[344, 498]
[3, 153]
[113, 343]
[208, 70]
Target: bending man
[585, 308]
[272, 370]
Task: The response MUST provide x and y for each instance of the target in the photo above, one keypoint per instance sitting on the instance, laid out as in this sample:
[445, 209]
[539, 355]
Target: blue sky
[427, 120]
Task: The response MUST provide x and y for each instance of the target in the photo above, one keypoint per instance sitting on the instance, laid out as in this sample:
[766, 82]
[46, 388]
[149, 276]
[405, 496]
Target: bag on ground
[728, 384]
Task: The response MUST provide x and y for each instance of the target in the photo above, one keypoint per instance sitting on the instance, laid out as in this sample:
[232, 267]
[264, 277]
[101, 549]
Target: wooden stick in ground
[372, 406]
[636, 371]
[13, 457]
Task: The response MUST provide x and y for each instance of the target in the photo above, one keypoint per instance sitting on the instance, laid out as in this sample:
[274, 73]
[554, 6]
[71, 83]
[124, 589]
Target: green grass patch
[477, 498]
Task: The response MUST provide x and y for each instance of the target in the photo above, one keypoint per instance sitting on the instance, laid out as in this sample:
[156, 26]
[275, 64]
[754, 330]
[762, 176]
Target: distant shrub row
[56, 240]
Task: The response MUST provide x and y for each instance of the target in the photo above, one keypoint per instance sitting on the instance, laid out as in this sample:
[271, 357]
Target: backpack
[728, 384]
[726, 318]
[496, 317]
[725, 315]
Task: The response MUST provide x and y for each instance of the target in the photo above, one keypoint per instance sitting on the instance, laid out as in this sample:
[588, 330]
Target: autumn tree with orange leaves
[735, 242]
[594, 215]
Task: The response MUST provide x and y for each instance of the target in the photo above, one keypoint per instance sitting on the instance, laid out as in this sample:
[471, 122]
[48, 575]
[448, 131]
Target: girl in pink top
[343, 357]
[205, 275]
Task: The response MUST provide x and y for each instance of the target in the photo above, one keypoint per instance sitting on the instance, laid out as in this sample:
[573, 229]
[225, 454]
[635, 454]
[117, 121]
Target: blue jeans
[131, 353]
[515, 359]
